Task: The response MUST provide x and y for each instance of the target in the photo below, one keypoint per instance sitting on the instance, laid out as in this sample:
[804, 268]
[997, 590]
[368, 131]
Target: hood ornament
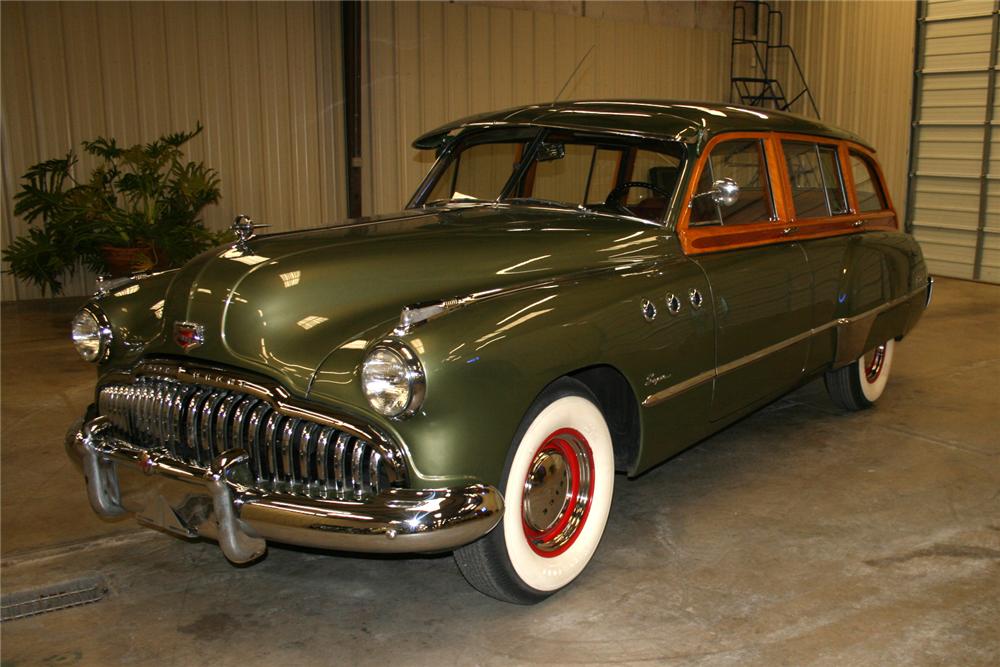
[243, 228]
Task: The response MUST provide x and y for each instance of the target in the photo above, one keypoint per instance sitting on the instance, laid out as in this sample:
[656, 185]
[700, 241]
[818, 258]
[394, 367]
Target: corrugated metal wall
[955, 208]
[264, 79]
[858, 60]
[430, 62]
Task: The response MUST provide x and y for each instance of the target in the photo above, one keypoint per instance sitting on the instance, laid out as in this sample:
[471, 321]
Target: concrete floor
[801, 535]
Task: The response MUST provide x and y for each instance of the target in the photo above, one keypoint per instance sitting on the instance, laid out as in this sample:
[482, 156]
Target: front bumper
[221, 504]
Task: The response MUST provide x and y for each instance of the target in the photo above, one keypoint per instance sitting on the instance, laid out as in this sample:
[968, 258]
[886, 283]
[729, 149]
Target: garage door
[953, 207]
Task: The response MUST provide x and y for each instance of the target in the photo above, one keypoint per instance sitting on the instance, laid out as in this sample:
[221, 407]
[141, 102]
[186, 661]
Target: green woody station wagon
[575, 290]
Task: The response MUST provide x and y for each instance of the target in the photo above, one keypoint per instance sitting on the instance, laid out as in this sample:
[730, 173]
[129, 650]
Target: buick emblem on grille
[188, 335]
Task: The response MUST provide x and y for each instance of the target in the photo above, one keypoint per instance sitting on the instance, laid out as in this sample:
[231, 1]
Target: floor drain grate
[52, 598]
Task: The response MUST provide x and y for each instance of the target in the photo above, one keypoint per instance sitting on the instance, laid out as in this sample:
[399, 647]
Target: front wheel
[557, 485]
[857, 386]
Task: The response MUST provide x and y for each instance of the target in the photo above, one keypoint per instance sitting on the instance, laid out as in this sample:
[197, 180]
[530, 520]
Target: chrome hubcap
[546, 491]
[557, 492]
[874, 362]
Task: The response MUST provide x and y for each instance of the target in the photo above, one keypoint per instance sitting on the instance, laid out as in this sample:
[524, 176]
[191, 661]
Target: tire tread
[844, 388]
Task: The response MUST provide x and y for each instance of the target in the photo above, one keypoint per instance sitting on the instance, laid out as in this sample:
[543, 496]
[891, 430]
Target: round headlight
[393, 379]
[90, 335]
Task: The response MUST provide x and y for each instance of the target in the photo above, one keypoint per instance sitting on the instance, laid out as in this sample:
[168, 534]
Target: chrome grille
[195, 423]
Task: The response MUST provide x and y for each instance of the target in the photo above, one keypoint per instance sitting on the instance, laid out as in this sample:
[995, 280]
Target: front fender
[135, 312]
[486, 363]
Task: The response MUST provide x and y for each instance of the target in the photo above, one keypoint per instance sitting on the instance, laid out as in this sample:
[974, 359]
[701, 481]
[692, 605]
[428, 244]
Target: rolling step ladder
[758, 38]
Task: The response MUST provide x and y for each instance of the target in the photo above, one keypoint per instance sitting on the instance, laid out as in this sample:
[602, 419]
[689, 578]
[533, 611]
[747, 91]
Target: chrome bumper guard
[221, 504]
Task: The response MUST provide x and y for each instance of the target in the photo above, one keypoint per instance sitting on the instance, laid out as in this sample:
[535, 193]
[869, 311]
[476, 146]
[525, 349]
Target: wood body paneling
[264, 78]
[430, 62]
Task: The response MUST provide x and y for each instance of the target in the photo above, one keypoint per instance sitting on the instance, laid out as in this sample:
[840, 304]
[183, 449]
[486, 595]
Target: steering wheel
[614, 197]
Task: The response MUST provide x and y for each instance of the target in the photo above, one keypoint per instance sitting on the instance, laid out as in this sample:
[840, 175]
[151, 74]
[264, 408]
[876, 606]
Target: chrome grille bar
[195, 423]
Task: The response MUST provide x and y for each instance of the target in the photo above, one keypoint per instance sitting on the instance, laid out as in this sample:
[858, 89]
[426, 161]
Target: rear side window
[743, 161]
[866, 185]
[816, 179]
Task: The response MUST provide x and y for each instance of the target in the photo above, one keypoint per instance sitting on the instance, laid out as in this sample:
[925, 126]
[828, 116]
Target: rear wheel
[557, 489]
[857, 386]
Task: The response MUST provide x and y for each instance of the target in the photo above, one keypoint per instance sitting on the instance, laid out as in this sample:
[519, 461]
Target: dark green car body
[537, 293]
[569, 300]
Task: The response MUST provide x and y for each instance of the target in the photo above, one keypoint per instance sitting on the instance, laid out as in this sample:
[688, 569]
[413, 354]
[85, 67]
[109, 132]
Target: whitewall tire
[858, 385]
[557, 489]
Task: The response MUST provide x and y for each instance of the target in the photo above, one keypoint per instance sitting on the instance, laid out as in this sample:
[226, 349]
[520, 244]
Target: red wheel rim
[875, 365]
[557, 492]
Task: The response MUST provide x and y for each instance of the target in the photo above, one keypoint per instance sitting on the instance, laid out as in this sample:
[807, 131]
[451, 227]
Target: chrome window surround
[288, 417]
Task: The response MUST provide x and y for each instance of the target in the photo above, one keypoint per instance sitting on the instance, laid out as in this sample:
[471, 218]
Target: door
[762, 294]
[763, 312]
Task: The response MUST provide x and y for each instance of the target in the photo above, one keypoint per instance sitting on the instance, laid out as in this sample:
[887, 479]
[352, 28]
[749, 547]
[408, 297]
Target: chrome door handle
[789, 230]
[858, 223]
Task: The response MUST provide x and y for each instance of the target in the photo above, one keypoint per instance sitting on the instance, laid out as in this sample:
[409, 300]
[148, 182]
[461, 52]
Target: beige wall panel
[212, 75]
[492, 56]
[433, 86]
[43, 27]
[18, 122]
[272, 47]
[265, 80]
[329, 111]
[121, 100]
[407, 42]
[180, 20]
[303, 125]
[858, 60]
[250, 182]
[151, 80]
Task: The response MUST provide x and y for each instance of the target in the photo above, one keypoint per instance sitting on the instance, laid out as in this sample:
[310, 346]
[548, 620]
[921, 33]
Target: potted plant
[138, 210]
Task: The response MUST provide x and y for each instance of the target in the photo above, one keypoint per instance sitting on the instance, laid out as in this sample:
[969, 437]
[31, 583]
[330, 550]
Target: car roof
[677, 120]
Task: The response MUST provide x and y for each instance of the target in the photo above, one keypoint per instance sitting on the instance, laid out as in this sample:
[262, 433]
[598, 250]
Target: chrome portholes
[694, 296]
[673, 303]
[648, 310]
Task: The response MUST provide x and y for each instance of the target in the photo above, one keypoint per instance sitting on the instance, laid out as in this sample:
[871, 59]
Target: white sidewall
[872, 390]
[549, 574]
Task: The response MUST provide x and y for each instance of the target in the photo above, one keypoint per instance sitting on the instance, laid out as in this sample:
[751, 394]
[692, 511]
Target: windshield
[603, 173]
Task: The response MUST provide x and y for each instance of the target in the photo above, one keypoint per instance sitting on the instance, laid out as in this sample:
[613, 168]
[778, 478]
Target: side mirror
[724, 192]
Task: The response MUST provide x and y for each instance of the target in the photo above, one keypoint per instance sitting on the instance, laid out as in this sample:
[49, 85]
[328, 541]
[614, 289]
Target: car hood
[290, 299]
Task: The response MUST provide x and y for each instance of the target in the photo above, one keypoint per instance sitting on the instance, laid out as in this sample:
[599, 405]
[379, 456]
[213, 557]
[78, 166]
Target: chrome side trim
[416, 314]
[679, 388]
[845, 348]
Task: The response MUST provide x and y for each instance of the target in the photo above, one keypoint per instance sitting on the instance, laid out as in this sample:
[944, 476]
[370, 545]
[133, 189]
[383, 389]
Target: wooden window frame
[868, 159]
[787, 227]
